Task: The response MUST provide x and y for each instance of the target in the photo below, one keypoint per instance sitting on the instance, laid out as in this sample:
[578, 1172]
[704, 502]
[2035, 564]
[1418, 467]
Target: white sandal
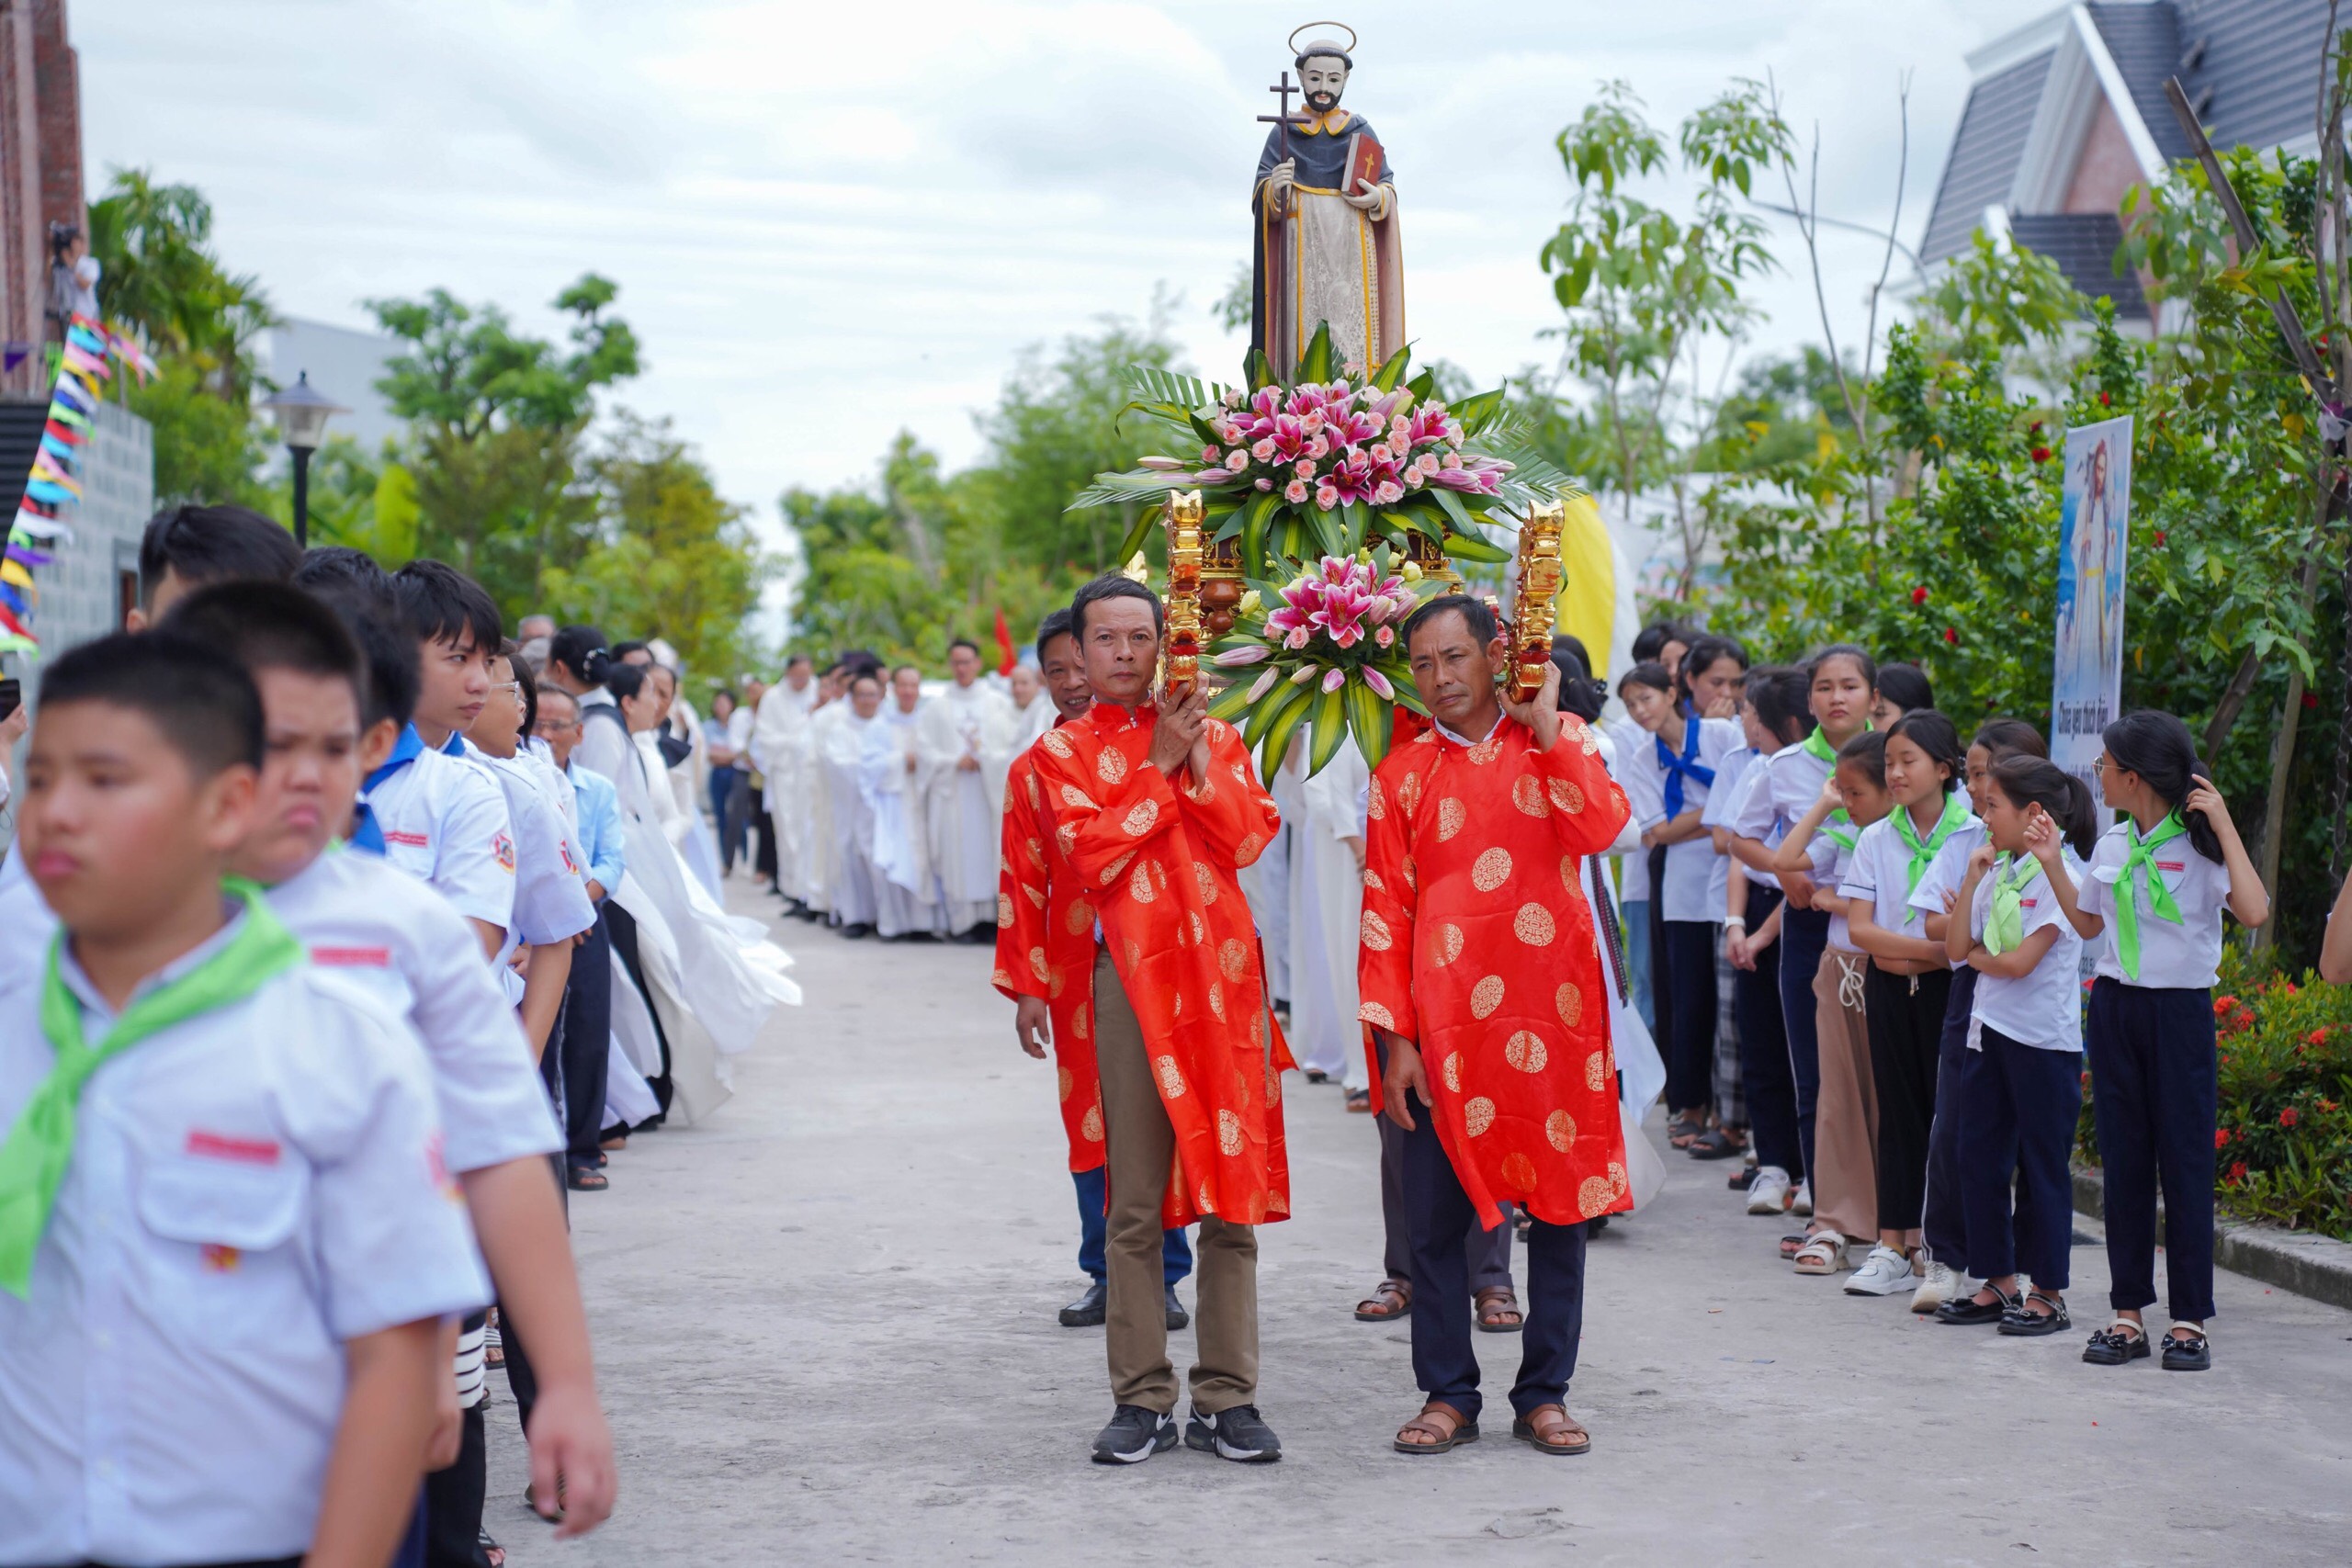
[1824, 1254]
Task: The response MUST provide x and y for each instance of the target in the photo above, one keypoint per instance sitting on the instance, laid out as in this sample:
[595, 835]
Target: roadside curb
[2316, 1266]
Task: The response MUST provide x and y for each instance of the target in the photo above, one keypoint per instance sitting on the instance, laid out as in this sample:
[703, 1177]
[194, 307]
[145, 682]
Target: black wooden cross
[1283, 90]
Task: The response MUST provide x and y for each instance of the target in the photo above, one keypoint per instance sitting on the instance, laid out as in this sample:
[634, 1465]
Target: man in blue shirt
[588, 1007]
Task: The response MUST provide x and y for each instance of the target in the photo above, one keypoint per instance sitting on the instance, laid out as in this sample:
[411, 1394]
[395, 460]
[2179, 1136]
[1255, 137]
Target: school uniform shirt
[1781, 789]
[249, 1189]
[2044, 1008]
[551, 890]
[2188, 954]
[400, 942]
[600, 828]
[1689, 865]
[1880, 874]
[1831, 860]
[1633, 874]
[1946, 873]
[444, 823]
[1731, 774]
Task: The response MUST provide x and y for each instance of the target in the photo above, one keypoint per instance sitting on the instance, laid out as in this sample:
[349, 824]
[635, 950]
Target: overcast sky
[831, 221]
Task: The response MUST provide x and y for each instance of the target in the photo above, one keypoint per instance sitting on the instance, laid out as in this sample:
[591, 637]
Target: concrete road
[825, 1323]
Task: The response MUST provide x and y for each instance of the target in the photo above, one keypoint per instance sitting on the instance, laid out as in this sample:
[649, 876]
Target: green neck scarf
[40, 1145]
[1838, 829]
[1923, 850]
[2140, 874]
[1817, 744]
[2005, 921]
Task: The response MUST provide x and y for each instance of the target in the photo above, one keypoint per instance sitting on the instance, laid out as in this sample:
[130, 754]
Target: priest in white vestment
[822, 872]
[779, 750]
[853, 728]
[963, 744]
[1327, 875]
[906, 896]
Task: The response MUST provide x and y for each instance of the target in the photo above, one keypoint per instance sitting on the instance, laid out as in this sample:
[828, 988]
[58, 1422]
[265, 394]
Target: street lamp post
[303, 412]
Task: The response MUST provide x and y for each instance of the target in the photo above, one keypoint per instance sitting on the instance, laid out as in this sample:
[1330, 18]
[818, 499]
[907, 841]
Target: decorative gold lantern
[1181, 648]
[1430, 556]
[1540, 578]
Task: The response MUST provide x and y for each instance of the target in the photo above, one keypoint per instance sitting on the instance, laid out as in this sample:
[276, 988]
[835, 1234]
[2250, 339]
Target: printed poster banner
[2094, 520]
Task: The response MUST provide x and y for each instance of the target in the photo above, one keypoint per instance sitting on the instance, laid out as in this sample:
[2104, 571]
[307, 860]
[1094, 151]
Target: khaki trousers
[1138, 1146]
[1844, 1135]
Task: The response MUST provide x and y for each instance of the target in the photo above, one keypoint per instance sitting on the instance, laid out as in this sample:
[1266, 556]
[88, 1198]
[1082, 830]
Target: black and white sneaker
[1135, 1434]
[1240, 1434]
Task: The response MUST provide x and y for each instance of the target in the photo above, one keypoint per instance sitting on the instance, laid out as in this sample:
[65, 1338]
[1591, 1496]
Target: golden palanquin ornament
[1181, 657]
[1430, 556]
[1539, 589]
[1221, 585]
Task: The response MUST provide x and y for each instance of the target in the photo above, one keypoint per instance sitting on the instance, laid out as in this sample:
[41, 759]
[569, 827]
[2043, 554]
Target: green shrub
[2283, 1142]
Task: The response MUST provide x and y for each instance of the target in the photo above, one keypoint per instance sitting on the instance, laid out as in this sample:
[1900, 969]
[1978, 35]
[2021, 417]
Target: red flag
[1006, 658]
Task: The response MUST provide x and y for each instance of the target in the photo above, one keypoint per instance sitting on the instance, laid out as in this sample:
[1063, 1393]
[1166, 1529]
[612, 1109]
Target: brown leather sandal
[1559, 1435]
[1446, 1428]
[1499, 1311]
[1393, 1299]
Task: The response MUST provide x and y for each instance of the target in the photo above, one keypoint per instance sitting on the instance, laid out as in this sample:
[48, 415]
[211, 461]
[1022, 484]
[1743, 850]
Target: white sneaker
[1883, 1273]
[1934, 1291]
[1801, 1201]
[1768, 1193]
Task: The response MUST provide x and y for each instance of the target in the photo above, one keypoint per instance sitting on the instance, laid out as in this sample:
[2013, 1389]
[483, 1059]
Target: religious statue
[1327, 246]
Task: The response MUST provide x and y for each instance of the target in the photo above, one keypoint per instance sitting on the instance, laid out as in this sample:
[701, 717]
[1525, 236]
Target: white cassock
[961, 807]
[1288, 800]
[779, 750]
[848, 828]
[1328, 890]
[822, 874]
[906, 885]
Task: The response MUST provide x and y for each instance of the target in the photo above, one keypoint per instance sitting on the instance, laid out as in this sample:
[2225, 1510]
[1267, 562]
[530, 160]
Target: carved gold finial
[1181, 659]
[1540, 578]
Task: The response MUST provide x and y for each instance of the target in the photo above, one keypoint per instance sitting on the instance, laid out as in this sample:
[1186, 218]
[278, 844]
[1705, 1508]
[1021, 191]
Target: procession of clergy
[1177, 933]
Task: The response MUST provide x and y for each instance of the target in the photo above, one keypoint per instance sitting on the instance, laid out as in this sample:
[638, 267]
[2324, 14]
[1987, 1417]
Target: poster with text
[2093, 518]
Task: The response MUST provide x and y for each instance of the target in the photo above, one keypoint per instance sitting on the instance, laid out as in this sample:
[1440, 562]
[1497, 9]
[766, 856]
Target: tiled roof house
[2067, 113]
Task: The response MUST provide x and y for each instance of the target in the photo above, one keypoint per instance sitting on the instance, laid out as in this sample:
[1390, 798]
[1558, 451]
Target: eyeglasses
[511, 688]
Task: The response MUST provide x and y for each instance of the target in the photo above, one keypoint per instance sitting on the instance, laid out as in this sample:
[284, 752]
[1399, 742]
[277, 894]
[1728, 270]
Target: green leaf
[1146, 520]
[1471, 546]
[1255, 513]
[1370, 719]
[1330, 729]
[1315, 364]
[1270, 710]
[1450, 504]
[1423, 387]
[1234, 701]
[1392, 369]
[1258, 370]
[1477, 412]
[1275, 743]
[1352, 518]
[1151, 382]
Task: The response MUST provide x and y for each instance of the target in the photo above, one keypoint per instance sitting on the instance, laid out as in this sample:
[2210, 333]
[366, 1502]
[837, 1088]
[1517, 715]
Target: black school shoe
[1240, 1434]
[2023, 1323]
[1177, 1317]
[2187, 1355]
[2116, 1344]
[1968, 1312]
[1089, 1310]
[1135, 1434]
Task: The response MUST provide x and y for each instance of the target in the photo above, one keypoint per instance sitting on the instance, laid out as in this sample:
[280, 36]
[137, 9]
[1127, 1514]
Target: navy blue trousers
[1175, 1252]
[2019, 1105]
[1906, 1021]
[1804, 934]
[2154, 1100]
[1439, 1216]
[1689, 951]
[1765, 1076]
[1944, 1218]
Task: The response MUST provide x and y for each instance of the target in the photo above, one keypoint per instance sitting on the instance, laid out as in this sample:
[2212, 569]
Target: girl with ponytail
[2153, 900]
[2020, 1087]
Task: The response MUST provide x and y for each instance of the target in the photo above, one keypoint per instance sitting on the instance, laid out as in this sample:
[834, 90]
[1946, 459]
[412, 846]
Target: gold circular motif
[1206, 880]
[1248, 850]
[1066, 838]
[1487, 751]
[1617, 1177]
[1533, 925]
[1451, 1073]
[1527, 794]
[1065, 1082]
[1277, 1204]
[1596, 1072]
[1451, 815]
[1090, 1127]
[1375, 931]
[1117, 868]
[1135, 955]
[1479, 1115]
[1004, 909]
[1037, 962]
[1200, 927]
[1054, 741]
[1373, 1013]
[1139, 886]
[1376, 803]
[1408, 793]
[1172, 1077]
[1029, 780]
[1054, 984]
[1445, 943]
[1485, 996]
[1079, 1025]
[1080, 919]
[1273, 1088]
[1111, 767]
[1074, 796]
[1568, 874]
[1490, 870]
[1524, 1050]
[1229, 1132]
[1233, 958]
[1560, 1130]
[1594, 1196]
[1217, 1001]
[1569, 1000]
[1566, 797]
[1518, 1173]
[1141, 816]
[1412, 872]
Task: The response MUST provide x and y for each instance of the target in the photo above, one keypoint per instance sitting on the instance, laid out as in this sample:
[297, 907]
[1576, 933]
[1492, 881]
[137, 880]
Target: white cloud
[831, 222]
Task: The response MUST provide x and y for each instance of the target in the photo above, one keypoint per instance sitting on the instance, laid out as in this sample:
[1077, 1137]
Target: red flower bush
[1919, 595]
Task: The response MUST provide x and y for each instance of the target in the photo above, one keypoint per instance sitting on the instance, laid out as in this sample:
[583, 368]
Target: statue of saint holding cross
[1328, 247]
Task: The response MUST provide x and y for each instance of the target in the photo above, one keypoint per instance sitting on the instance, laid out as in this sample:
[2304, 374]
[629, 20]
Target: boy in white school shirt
[338, 682]
[227, 1239]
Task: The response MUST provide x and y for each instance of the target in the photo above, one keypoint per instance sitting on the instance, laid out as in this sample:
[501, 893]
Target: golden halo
[1341, 26]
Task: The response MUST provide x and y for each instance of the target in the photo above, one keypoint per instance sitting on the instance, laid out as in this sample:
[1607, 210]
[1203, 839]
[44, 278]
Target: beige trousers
[1845, 1134]
[1138, 1146]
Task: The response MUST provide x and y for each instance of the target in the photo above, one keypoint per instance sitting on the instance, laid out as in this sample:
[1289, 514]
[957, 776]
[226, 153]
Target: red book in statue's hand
[1365, 159]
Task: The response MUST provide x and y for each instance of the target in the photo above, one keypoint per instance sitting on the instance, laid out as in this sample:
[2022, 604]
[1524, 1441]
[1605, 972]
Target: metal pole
[302, 496]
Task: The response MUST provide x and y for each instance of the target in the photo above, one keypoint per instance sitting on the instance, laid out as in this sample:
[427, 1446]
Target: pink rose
[1236, 459]
[1263, 450]
[1296, 491]
[1326, 497]
[1208, 455]
[1386, 636]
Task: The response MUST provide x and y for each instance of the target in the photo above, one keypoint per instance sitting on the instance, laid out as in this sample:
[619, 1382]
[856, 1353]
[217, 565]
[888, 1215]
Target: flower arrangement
[1331, 642]
[1332, 462]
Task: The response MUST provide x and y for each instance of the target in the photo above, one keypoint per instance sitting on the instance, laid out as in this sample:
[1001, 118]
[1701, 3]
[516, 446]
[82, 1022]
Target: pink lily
[1380, 683]
[1264, 683]
[1334, 679]
[1249, 653]
[1163, 464]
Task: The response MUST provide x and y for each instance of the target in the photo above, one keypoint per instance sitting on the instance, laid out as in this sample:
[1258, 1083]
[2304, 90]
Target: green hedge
[2283, 1144]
